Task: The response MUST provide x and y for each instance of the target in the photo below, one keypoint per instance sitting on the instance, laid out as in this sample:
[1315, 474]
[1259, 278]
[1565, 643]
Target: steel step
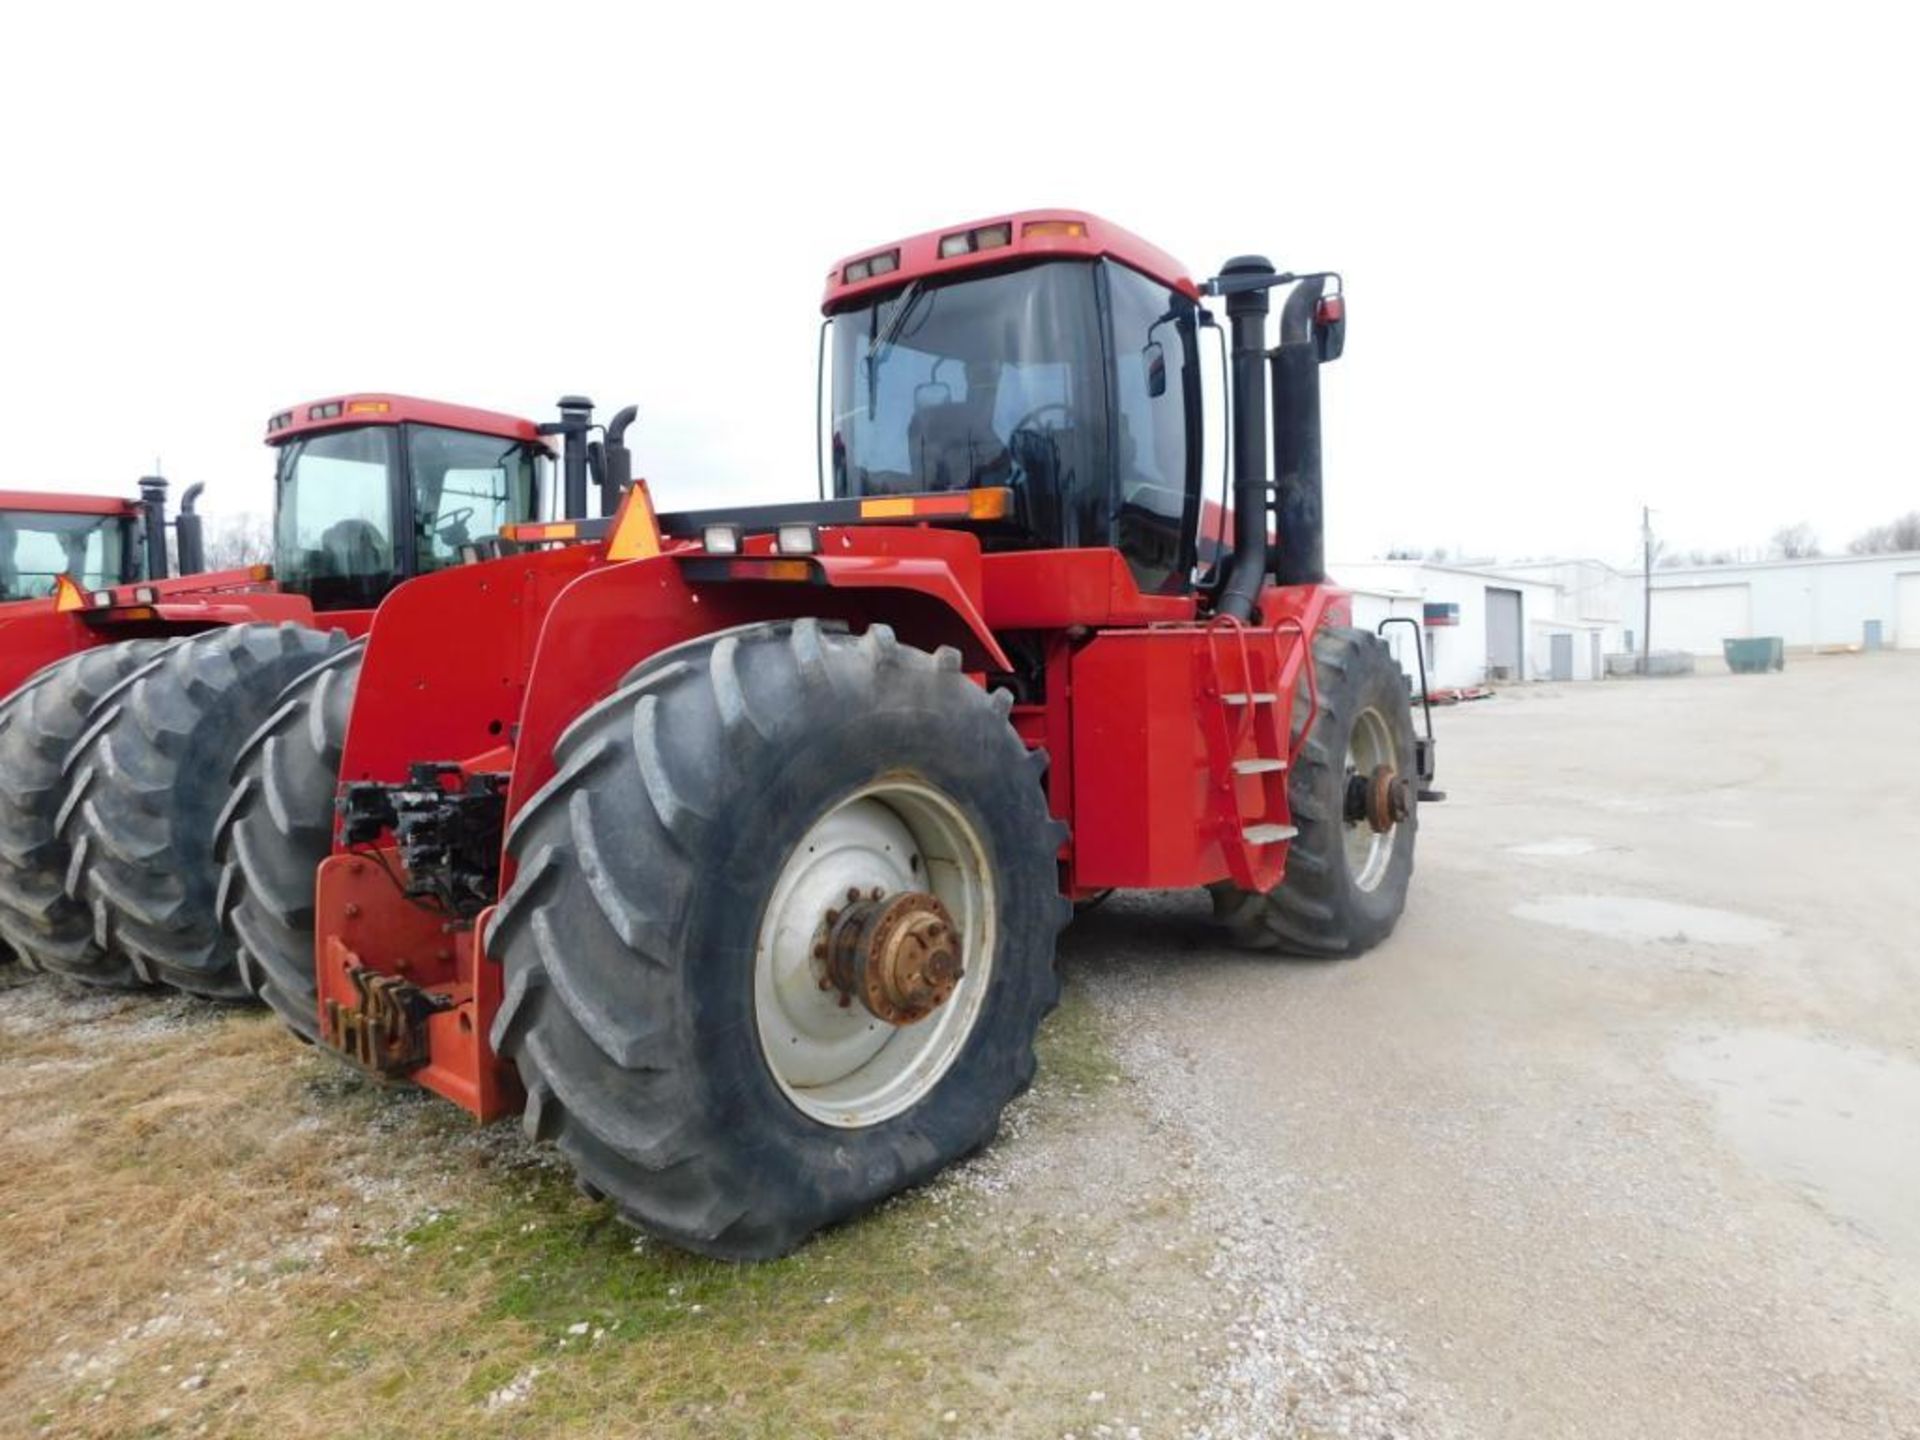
[1261, 765]
[1268, 834]
[1241, 697]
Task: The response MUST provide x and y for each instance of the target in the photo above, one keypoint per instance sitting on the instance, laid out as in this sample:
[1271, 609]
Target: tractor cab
[1054, 355]
[94, 540]
[374, 489]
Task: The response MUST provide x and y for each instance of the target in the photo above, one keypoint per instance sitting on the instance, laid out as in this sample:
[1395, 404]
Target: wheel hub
[899, 956]
[1382, 799]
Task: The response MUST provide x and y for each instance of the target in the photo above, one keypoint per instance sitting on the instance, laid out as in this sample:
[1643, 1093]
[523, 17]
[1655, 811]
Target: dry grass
[208, 1229]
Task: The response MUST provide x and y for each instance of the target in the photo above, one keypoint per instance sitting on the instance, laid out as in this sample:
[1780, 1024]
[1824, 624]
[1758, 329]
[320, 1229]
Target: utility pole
[1646, 627]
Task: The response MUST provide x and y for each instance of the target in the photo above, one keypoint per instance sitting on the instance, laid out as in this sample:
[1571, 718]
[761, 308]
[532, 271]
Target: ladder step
[1260, 766]
[1240, 697]
[1268, 834]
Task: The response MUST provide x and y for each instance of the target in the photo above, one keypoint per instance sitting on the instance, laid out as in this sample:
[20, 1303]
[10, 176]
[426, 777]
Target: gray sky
[1594, 257]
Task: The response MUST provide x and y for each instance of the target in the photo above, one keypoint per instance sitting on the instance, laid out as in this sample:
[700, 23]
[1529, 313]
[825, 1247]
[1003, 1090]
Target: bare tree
[1794, 542]
[237, 540]
[1665, 559]
[1897, 535]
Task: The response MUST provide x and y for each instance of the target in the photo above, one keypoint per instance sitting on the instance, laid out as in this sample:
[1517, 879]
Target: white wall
[1540, 648]
[1459, 653]
[1696, 618]
[1805, 602]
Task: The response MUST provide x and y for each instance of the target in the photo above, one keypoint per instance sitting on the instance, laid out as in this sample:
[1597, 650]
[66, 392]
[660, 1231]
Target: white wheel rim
[836, 1063]
[1369, 851]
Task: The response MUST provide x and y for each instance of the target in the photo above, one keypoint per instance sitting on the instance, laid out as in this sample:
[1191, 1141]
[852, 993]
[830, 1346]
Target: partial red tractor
[129, 693]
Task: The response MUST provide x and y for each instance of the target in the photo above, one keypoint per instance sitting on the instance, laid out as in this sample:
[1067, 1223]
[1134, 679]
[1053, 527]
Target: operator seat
[953, 447]
[355, 547]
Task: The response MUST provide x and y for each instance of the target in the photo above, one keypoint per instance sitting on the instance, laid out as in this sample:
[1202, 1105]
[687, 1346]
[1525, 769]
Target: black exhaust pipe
[576, 418]
[1300, 558]
[153, 506]
[617, 466]
[189, 533]
[1247, 318]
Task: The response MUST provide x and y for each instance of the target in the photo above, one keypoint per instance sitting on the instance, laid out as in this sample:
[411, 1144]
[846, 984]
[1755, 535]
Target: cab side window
[1153, 446]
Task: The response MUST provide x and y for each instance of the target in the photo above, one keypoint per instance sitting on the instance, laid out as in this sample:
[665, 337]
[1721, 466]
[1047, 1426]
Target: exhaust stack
[189, 533]
[1300, 557]
[576, 419]
[1245, 281]
[153, 506]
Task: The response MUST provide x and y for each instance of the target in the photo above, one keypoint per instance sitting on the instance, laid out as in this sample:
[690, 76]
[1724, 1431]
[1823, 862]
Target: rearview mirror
[1156, 359]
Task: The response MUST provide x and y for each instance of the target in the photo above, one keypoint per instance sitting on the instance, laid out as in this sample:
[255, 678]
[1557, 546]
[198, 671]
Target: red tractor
[117, 757]
[730, 847]
[65, 545]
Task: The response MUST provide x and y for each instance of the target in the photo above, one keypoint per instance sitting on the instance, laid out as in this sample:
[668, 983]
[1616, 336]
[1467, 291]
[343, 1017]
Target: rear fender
[613, 618]
[33, 635]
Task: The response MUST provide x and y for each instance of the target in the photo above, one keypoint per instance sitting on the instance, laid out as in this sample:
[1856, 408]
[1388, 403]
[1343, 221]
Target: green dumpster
[1753, 657]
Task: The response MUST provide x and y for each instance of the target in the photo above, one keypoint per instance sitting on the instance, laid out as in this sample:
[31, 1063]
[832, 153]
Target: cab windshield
[996, 380]
[336, 538]
[37, 547]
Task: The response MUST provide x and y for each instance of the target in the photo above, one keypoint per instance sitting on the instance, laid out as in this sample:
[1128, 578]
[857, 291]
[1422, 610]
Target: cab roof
[378, 408]
[995, 241]
[53, 503]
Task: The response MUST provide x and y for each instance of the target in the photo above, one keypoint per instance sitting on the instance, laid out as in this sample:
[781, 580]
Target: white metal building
[1559, 619]
[1477, 625]
[1869, 600]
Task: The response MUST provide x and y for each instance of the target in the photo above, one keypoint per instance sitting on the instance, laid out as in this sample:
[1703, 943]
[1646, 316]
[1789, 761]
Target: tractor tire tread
[276, 829]
[152, 776]
[598, 982]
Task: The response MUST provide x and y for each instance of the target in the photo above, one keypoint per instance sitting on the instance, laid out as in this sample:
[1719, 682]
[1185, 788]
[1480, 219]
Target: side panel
[447, 661]
[1140, 781]
[1152, 809]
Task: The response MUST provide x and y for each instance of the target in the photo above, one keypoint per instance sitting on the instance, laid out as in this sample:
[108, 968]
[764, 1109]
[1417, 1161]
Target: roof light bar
[885, 263]
[1065, 229]
[981, 237]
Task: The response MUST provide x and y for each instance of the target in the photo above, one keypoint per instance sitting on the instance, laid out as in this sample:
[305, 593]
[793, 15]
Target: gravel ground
[1615, 1137]
[1619, 1135]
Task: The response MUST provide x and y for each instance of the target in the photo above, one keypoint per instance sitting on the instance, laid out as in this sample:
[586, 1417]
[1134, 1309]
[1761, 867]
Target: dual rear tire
[43, 924]
[145, 785]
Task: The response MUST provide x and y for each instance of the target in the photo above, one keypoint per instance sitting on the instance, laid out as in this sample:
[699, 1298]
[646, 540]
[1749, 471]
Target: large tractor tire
[146, 784]
[1346, 877]
[43, 925]
[737, 862]
[277, 828]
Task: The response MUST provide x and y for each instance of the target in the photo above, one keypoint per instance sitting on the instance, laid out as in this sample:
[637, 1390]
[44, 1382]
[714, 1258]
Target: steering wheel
[1034, 414]
[452, 527]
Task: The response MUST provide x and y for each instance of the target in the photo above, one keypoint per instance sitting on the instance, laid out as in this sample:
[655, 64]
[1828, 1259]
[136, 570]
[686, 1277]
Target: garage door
[1696, 619]
[1906, 623]
[1503, 634]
